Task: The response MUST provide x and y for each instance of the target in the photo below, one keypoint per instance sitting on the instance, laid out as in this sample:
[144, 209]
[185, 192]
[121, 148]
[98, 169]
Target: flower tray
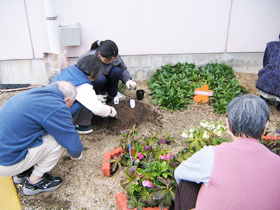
[122, 200]
[106, 167]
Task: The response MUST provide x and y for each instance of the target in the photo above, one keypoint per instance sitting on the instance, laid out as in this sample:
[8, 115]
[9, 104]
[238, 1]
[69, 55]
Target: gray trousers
[83, 117]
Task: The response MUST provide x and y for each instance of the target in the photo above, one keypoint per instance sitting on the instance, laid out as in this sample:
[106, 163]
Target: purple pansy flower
[147, 147]
[161, 141]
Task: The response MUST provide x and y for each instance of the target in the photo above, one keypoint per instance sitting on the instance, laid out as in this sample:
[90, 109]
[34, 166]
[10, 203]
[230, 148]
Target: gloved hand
[131, 84]
[72, 158]
[102, 98]
[113, 112]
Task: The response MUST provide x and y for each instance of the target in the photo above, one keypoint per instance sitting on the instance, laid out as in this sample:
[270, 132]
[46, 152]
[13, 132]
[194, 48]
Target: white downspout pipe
[52, 25]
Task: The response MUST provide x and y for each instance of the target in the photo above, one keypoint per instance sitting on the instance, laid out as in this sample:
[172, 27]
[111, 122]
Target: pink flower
[163, 157]
[169, 156]
[147, 183]
[140, 156]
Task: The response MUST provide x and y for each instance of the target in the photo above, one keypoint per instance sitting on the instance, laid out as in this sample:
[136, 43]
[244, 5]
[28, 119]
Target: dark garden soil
[127, 117]
[84, 186]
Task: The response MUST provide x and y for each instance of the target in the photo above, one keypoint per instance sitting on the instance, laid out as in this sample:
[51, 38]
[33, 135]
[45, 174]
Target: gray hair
[248, 115]
[67, 89]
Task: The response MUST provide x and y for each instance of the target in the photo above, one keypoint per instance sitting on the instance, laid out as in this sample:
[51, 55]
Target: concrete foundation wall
[141, 67]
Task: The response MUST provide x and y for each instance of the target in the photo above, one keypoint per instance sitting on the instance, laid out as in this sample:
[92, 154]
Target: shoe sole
[85, 132]
[35, 192]
[18, 180]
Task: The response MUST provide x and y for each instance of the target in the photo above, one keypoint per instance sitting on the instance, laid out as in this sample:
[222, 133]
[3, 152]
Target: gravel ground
[84, 185]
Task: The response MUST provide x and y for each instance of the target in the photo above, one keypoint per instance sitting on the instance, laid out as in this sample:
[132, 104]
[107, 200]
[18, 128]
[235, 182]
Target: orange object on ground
[202, 95]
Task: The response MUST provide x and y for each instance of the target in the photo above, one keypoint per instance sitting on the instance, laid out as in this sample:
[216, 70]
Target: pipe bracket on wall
[51, 18]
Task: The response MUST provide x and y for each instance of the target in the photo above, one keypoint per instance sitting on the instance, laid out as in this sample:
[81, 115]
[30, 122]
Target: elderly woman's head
[247, 116]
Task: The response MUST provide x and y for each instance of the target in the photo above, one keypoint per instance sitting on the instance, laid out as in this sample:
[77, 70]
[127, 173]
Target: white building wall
[15, 39]
[253, 23]
[149, 34]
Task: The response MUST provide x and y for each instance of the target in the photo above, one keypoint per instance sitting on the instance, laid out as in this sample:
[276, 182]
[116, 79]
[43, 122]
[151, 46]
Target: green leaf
[159, 194]
[172, 195]
[164, 181]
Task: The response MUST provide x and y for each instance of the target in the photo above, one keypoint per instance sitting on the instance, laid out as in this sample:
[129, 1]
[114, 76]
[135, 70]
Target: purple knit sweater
[246, 175]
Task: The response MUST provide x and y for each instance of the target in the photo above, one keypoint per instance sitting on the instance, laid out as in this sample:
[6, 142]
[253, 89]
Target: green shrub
[172, 86]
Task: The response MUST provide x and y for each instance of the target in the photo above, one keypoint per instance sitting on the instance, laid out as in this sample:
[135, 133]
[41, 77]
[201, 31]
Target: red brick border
[106, 167]
[122, 200]
[270, 138]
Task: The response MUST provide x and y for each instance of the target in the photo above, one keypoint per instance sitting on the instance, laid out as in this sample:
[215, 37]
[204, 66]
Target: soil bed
[84, 185]
[126, 117]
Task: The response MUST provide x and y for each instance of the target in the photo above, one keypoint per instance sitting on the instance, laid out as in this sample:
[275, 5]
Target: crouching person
[36, 126]
[242, 174]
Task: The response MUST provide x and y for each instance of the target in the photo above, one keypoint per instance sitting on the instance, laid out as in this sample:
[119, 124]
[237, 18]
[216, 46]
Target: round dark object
[140, 94]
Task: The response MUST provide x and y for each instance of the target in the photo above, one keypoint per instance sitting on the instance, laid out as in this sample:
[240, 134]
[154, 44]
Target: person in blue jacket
[115, 69]
[87, 102]
[36, 126]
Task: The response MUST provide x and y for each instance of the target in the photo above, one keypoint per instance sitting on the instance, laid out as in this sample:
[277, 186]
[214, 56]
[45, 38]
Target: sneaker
[83, 129]
[121, 97]
[47, 183]
[20, 178]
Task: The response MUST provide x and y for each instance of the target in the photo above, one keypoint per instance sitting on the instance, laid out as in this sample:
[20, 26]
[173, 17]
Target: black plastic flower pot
[140, 94]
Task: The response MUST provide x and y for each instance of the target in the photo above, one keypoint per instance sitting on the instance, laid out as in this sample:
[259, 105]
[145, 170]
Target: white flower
[184, 135]
[218, 132]
[211, 126]
[191, 130]
[191, 136]
[204, 123]
[219, 127]
[206, 135]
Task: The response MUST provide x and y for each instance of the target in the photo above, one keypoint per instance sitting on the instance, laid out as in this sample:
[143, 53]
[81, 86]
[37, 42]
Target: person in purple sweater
[36, 128]
[242, 174]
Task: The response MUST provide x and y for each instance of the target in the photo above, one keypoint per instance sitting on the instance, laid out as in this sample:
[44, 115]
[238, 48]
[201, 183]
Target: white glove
[102, 98]
[131, 84]
[72, 158]
[113, 112]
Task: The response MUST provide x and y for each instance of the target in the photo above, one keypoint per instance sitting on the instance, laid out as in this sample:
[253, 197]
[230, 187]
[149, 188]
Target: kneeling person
[36, 127]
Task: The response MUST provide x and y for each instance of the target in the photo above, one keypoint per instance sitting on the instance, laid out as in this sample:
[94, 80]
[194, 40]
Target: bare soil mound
[126, 117]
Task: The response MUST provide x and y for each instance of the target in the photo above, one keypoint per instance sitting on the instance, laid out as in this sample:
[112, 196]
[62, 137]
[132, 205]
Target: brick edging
[269, 137]
[106, 167]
